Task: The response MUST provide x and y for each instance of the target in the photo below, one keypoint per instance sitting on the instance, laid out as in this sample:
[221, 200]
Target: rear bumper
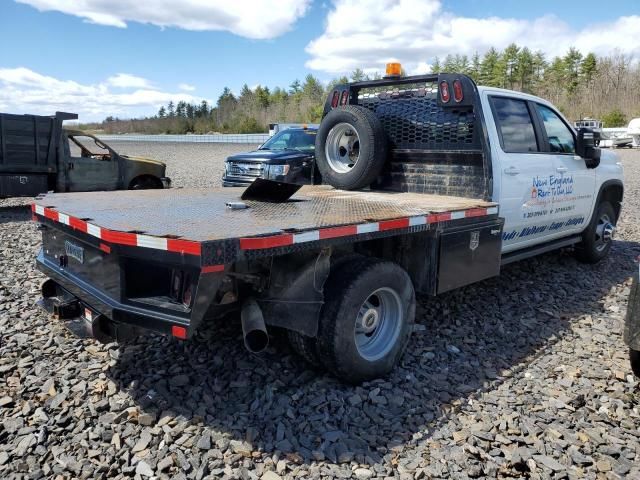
[67, 297]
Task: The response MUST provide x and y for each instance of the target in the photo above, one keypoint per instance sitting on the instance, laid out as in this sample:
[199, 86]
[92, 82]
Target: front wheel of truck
[597, 238]
[366, 320]
[145, 183]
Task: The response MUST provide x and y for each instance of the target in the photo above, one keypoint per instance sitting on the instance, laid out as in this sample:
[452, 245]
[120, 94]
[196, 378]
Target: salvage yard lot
[524, 374]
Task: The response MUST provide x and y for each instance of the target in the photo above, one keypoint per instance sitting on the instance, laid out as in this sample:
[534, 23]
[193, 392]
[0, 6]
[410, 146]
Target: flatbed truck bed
[198, 223]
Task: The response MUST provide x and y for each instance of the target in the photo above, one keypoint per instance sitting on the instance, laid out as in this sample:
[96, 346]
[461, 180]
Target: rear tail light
[457, 91]
[334, 99]
[444, 92]
[179, 332]
[344, 97]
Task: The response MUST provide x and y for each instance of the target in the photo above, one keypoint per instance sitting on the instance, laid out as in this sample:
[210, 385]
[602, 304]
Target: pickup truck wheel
[634, 359]
[597, 238]
[351, 147]
[145, 183]
[366, 320]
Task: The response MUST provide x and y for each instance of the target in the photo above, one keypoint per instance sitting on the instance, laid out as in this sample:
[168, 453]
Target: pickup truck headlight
[274, 171]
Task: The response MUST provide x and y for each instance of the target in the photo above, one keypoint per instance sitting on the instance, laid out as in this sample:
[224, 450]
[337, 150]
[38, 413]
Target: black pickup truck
[288, 157]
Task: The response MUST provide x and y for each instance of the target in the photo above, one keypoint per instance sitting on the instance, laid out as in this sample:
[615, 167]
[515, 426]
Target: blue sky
[53, 56]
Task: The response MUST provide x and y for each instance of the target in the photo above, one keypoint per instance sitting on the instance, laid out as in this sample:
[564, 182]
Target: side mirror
[586, 147]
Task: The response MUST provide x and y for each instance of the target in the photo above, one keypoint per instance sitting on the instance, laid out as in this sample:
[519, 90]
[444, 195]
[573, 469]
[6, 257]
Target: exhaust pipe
[254, 331]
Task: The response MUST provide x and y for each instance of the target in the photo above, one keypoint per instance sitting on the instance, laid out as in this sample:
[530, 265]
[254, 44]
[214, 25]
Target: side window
[560, 137]
[515, 126]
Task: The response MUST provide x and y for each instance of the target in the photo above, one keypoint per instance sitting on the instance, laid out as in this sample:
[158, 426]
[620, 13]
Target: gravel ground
[524, 375]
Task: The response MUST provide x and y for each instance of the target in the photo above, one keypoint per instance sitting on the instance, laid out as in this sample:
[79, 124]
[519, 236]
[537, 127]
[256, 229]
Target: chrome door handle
[562, 169]
[511, 171]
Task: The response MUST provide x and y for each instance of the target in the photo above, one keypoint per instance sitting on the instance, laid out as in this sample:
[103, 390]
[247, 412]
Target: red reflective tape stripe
[105, 248]
[258, 243]
[123, 238]
[213, 268]
[51, 214]
[336, 232]
[443, 217]
[394, 224]
[432, 218]
[475, 212]
[183, 246]
[78, 224]
[33, 207]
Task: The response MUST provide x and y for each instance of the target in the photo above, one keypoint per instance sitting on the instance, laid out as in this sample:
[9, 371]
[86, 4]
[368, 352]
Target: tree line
[606, 87]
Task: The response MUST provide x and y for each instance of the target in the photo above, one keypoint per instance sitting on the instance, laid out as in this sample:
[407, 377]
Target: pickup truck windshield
[303, 140]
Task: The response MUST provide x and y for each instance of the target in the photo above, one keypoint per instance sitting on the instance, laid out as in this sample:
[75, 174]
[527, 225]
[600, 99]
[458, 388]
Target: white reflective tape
[421, 220]
[39, 209]
[457, 215]
[367, 227]
[306, 236]
[94, 230]
[151, 242]
[492, 210]
[62, 218]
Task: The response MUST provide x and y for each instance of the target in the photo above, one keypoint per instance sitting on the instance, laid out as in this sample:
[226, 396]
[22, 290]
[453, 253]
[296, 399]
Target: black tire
[593, 248]
[634, 359]
[369, 139]
[348, 288]
[145, 183]
[305, 347]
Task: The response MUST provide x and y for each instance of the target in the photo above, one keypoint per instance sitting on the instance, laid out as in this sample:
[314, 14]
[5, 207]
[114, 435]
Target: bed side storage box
[469, 254]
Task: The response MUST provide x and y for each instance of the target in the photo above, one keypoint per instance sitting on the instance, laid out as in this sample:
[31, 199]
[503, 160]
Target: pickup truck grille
[245, 169]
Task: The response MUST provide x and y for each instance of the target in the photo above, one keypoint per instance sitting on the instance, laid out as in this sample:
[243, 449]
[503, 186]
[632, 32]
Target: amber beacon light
[394, 69]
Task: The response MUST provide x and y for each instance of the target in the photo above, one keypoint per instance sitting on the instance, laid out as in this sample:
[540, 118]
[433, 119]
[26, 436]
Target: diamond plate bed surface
[202, 214]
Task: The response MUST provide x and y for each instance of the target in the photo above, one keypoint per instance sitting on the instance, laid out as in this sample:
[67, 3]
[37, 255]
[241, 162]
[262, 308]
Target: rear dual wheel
[365, 323]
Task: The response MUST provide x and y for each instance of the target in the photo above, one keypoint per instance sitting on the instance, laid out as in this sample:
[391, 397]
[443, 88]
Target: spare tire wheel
[351, 147]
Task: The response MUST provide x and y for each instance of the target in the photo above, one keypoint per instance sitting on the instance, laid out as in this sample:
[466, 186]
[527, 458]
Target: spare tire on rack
[351, 147]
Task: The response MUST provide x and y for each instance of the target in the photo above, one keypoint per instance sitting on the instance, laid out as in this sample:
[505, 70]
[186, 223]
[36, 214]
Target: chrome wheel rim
[378, 324]
[604, 232]
[342, 148]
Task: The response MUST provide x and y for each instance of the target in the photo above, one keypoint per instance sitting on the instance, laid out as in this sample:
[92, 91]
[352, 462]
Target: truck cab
[287, 156]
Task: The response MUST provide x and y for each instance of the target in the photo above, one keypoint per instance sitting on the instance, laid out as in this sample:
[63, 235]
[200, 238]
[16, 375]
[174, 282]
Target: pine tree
[295, 87]
[358, 75]
[171, 109]
[436, 67]
[489, 69]
[162, 112]
[589, 67]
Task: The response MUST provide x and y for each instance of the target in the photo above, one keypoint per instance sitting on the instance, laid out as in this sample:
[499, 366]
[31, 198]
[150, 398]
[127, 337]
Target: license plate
[74, 251]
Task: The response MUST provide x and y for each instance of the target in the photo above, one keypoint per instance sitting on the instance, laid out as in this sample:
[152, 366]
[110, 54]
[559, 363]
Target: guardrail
[250, 138]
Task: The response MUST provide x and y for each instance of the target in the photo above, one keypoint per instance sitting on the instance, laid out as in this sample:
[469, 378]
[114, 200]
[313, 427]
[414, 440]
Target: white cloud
[248, 18]
[24, 91]
[369, 33]
[125, 80]
[185, 87]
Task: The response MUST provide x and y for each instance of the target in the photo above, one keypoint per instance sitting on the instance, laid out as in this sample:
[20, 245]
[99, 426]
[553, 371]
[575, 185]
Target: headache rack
[435, 129]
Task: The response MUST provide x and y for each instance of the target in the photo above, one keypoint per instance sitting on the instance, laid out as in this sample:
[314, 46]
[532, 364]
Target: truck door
[89, 165]
[524, 171]
[573, 184]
